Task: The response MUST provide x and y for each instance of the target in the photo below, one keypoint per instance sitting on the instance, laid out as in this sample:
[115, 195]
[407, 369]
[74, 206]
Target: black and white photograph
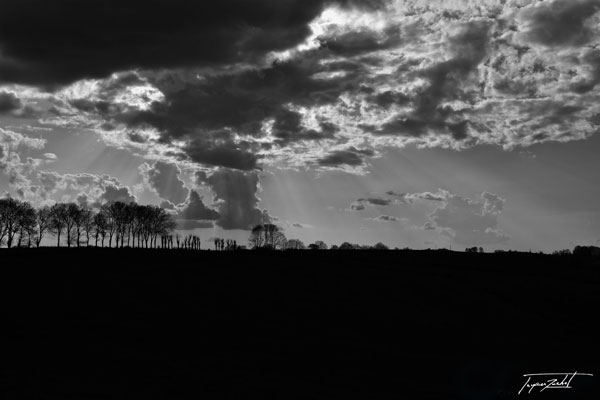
[299, 199]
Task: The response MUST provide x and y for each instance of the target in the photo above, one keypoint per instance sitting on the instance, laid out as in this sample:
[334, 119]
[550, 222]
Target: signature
[551, 380]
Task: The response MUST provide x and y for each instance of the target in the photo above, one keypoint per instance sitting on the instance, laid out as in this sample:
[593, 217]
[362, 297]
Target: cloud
[228, 155]
[463, 220]
[16, 166]
[433, 74]
[428, 196]
[386, 218]
[114, 193]
[188, 225]
[97, 189]
[178, 35]
[357, 206]
[195, 209]
[164, 179]
[376, 201]
[352, 157]
[9, 102]
[236, 199]
[50, 156]
[559, 23]
[470, 222]
[15, 140]
[314, 84]
[429, 226]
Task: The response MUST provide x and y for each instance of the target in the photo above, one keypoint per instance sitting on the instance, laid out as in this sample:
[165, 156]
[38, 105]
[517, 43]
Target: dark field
[124, 324]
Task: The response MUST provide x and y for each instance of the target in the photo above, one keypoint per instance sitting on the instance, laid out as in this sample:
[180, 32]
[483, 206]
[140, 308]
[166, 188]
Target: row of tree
[269, 236]
[124, 224]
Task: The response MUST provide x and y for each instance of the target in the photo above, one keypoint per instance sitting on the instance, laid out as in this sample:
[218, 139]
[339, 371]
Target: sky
[421, 124]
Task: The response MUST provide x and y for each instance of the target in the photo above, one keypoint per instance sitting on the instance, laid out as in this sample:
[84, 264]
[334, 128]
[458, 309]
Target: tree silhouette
[294, 244]
[57, 223]
[266, 236]
[128, 224]
[44, 223]
[100, 225]
[26, 222]
[9, 214]
[347, 246]
[318, 245]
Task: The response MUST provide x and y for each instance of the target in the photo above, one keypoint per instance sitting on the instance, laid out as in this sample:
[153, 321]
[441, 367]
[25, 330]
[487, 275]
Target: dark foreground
[124, 324]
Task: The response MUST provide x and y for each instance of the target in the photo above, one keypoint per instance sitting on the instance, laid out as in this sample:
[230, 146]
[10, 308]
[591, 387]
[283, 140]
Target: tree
[100, 225]
[26, 223]
[87, 224]
[266, 236]
[9, 216]
[71, 218]
[380, 246]
[58, 220]
[44, 223]
[82, 218]
[294, 244]
[564, 252]
[111, 213]
[348, 246]
[318, 245]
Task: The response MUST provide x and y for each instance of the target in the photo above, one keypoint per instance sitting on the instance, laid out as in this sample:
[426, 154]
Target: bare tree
[71, 217]
[100, 225]
[126, 223]
[44, 223]
[9, 217]
[294, 244]
[26, 222]
[318, 245]
[267, 236]
[87, 224]
[81, 220]
[58, 220]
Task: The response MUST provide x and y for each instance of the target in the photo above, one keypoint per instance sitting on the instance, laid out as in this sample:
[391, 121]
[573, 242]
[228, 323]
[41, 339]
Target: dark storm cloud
[364, 41]
[288, 128]
[211, 114]
[9, 102]
[235, 194]
[590, 57]
[560, 23]
[68, 40]
[388, 98]
[446, 82]
[240, 101]
[352, 157]
[223, 157]
[196, 210]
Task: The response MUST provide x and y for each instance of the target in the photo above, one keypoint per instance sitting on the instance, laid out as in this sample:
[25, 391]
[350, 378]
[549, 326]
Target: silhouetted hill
[128, 323]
